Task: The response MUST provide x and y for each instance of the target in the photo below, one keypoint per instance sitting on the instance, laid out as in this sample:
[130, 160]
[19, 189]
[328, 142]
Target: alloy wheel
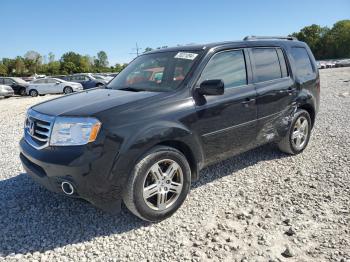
[163, 184]
[300, 133]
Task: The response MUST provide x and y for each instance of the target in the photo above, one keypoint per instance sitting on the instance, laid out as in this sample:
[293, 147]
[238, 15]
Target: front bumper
[85, 167]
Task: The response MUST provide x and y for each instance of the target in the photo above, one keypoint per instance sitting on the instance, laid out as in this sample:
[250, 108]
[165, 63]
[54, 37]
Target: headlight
[73, 131]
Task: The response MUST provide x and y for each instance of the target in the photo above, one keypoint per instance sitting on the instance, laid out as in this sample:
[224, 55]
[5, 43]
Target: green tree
[102, 59]
[51, 57]
[20, 67]
[148, 49]
[32, 60]
[84, 64]
[68, 68]
[313, 36]
[3, 70]
[53, 68]
[339, 37]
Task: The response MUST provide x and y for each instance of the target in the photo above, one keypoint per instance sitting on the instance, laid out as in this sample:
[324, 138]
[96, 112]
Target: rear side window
[229, 66]
[266, 64]
[302, 62]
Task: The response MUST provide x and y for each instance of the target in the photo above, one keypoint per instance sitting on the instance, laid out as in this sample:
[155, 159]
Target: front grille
[37, 129]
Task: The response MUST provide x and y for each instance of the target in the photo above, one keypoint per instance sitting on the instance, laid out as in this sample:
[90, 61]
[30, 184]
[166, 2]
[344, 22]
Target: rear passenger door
[227, 123]
[275, 92]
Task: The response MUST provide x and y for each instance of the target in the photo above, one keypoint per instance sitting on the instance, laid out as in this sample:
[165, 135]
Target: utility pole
[137, 49]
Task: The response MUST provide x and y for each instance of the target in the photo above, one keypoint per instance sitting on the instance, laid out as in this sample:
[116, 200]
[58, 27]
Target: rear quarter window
[302, 62]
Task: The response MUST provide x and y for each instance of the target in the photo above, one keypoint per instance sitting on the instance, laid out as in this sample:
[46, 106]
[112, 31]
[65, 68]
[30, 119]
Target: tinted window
[266, 64]
[40, 81]
[51, 81]
[8, 81]
[282, 62]
[302, 62]
[228, 66]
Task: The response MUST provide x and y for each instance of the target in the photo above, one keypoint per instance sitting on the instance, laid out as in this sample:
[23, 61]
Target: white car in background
[45, 86]
[6, 91]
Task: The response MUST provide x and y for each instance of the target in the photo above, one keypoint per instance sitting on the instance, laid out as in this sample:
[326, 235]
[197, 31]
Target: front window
[157, 72]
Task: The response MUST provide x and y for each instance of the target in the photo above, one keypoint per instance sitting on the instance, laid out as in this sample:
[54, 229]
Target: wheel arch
[165, 133]
[310, 109]
[187, 152]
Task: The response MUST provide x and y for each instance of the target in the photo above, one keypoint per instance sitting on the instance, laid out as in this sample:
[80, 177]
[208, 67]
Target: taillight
[318, 86]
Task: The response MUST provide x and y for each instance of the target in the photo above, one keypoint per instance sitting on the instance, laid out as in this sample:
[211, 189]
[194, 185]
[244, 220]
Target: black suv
[18, 84]
[168, 114]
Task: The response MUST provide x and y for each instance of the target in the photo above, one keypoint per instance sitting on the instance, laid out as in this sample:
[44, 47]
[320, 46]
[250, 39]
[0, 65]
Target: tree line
[325, 43]
[34, 63]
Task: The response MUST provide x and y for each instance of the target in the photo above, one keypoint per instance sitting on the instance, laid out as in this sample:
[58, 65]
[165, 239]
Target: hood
[90, 102]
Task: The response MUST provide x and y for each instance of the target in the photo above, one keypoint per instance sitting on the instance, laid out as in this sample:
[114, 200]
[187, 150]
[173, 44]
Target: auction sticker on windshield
[184, 55]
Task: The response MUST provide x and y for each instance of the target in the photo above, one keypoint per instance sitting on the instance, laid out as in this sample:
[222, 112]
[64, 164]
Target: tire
[148, 208]
[67, 90]
[6, 97]
[33, 93]
[22, 92]
[289, 143]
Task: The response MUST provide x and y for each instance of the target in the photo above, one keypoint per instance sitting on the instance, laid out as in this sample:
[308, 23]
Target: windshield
[19, 80]
[158, 72]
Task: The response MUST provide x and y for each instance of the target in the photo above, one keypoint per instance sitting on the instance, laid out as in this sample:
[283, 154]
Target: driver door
[227, 123]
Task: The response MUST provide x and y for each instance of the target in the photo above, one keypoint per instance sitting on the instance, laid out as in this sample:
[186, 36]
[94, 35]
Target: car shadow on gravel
[34, 219]
[239, 162]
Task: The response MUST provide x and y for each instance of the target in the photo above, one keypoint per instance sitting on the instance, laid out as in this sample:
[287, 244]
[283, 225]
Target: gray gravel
[259, 206]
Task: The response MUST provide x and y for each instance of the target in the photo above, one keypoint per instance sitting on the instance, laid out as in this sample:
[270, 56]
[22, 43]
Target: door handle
[248, 101]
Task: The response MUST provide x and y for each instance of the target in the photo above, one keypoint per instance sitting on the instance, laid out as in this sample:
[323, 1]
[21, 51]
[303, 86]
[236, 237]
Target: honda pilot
[143, 138]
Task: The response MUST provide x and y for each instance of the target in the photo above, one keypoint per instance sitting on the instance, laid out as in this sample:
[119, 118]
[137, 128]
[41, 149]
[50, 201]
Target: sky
[87, 26]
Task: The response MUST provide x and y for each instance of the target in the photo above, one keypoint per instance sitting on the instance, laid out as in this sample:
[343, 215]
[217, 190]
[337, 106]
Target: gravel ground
[262, 205]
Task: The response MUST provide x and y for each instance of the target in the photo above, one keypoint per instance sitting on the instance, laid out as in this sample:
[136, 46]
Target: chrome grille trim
[38, 139]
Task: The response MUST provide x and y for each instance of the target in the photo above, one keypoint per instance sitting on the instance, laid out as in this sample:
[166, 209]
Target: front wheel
[33, 93]
[158, 185]
[67, 90]
[298, 135]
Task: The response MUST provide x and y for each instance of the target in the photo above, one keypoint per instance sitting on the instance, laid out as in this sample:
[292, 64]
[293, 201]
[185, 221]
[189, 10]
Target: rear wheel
[298, 135]
[158, 184]
[67, 90]
[33, 93]
[22, 92]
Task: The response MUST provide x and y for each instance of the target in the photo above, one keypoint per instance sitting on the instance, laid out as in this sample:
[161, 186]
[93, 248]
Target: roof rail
[253, 37]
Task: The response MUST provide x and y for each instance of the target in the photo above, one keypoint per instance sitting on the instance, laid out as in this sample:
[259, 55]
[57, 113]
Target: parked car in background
[6, 91]
[52, 86]
[113, 74]
[17, 84]
[102, 77]
[342, 63]
[86, 80]
[330, 64]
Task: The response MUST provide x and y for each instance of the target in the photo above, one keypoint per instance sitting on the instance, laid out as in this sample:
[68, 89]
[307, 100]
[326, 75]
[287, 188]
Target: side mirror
[211, 87]
[57, 83]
